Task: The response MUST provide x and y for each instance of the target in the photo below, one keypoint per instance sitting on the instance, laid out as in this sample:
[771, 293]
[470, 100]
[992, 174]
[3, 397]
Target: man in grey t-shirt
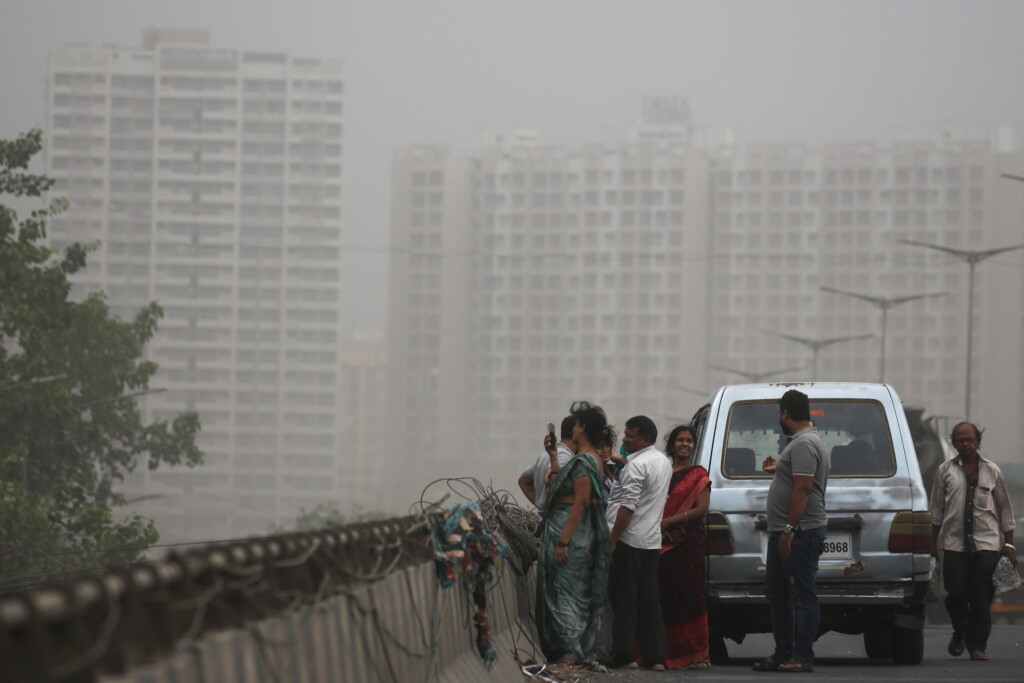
[796, 526]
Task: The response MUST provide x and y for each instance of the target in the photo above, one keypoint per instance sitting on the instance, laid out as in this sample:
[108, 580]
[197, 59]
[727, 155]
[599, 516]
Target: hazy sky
[429, 72]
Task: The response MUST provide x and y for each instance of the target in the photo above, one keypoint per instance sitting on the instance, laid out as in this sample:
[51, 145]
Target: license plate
[838, 547]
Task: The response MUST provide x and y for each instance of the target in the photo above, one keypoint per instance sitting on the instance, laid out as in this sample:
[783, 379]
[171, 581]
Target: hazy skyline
[439, 72]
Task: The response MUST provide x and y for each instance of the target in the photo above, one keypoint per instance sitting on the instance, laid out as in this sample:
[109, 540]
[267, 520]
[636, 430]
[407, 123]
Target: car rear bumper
[852, 594]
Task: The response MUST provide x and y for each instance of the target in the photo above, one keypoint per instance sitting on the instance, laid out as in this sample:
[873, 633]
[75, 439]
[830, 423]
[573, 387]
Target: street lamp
[972, 259]
[816, 345]
[883, 304]
[115, 399]
[32, 382]
[148, 496]
[755, 377]
[689, 390]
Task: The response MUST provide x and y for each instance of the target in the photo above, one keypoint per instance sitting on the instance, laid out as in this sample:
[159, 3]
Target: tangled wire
[516, 525]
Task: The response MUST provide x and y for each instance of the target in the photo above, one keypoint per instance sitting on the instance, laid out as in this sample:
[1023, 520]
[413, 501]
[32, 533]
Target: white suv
[873, 576]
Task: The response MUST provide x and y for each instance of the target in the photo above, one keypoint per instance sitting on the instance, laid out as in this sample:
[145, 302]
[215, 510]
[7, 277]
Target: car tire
[718, 650]
[907, 645]
[878, 642]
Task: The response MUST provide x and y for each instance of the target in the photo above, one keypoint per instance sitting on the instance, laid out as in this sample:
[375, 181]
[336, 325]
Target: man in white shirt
[531, 481]
[635, 508]
[972, 526]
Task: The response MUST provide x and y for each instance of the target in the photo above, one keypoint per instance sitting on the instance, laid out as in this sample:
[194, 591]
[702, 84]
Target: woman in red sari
[682, 572]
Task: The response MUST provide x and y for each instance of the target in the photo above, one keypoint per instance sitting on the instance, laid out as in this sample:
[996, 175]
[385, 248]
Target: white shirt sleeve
[632, 481]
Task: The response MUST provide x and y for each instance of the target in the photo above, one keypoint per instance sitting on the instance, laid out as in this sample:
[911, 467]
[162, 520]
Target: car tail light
[911, 532]
[720, 541]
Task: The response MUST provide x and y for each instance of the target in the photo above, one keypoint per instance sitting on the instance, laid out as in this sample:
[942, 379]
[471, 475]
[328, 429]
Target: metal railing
[90, 628]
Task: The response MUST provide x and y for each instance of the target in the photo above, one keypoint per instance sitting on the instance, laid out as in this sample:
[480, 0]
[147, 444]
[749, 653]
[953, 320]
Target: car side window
[856, 435]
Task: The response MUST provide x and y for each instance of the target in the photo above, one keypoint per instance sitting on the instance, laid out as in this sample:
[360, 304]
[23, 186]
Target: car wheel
[718, 650]
[907, 645]
[877, 642]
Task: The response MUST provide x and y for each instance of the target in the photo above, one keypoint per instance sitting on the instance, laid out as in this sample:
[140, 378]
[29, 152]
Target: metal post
[970, 339]
[883, 304]
[971, 258]
[885, 325]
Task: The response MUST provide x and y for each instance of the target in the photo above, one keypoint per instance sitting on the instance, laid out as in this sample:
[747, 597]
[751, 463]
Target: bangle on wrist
[563, 545]
[1009, 545]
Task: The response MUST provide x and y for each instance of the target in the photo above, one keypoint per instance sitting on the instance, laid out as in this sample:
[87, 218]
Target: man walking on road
[972, 524]
[635, 507]
[796, 527]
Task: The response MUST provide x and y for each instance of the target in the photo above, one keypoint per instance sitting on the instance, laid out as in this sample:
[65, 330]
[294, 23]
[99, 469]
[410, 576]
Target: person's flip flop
[700, 665]
[979, 656]
[956, 646]
[766, 664]
[794, 667]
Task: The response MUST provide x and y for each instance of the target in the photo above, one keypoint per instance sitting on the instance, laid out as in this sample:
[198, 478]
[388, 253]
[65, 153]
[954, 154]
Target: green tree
[327, 516]
[69, 427]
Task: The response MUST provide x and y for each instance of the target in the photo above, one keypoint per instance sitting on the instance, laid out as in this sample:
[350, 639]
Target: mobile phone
[551, 429]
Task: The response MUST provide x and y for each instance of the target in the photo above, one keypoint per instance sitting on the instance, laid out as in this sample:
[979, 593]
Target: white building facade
[528, 275]
[210, 180]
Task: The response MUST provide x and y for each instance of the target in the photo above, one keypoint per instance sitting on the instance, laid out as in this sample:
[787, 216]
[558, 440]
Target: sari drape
[571, 598]
[682, 574]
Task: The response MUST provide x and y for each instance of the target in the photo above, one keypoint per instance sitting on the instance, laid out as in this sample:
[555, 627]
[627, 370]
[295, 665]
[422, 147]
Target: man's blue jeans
[789, 584]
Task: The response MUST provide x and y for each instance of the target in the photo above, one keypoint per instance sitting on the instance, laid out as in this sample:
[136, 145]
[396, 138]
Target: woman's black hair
[593, 420]
[674, 434]
[608, 437]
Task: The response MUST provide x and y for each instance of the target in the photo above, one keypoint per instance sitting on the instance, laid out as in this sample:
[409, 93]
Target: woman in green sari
[572, 569]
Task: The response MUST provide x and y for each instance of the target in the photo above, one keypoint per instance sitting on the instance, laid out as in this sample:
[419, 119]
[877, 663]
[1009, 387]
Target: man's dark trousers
[790, 584]
[636, 605]
[967, 578]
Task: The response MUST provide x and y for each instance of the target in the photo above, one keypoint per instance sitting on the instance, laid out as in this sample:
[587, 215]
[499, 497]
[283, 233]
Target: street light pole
[816, 345]
[755, 377]
[115, 399]
[690, 390]
[883, 304]
[32, 382]
[972, 259]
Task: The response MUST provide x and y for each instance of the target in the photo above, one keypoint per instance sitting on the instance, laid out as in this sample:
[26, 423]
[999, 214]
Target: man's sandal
[794, 667]
[956, 646]
[766, 664]
[979, 656]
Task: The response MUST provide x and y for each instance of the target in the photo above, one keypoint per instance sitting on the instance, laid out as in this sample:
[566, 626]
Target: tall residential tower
[210, 180]
[637, 274]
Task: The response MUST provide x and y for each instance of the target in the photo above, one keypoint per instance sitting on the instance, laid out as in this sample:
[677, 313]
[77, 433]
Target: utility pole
[972, 259]
[816, 345]
[883, 304]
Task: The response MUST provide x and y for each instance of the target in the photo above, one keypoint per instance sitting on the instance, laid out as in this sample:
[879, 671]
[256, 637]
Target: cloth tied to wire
[470, 549]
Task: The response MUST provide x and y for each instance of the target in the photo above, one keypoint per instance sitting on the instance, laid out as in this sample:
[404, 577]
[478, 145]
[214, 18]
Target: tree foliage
[328, 516]
[69, 429]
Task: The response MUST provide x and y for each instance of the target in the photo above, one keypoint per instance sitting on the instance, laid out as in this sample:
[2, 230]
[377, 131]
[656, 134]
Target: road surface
[841, 658]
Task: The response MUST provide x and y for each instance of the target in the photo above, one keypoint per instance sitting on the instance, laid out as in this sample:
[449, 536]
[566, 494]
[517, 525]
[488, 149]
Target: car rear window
[855, 433]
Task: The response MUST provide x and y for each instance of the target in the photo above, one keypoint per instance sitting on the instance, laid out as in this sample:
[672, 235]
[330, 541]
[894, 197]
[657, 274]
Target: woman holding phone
[572, 568]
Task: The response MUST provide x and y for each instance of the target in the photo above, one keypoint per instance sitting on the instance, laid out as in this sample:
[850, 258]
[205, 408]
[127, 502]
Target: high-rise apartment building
[788, 220]
[210, 180]
[363, 413]
[527, 275]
